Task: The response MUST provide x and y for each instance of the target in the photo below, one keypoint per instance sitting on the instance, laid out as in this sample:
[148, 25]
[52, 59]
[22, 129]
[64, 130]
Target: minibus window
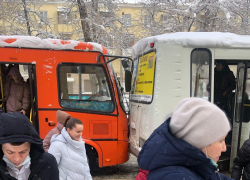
[142, 88]
[84, 87]
[200, 73]
[122, 99]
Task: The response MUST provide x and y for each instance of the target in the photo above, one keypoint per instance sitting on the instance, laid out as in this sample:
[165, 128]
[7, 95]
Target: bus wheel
[92, 159]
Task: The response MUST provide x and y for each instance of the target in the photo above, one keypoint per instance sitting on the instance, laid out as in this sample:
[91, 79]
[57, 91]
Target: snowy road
[126, 171]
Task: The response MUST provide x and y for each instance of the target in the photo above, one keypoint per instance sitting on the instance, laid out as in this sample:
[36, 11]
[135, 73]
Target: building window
[21, 16]
[128, 40]
[64, 15]
[85, 87]
[164, 19]
[106, 17]
[147, 20]
[126, 19]
[43, 15]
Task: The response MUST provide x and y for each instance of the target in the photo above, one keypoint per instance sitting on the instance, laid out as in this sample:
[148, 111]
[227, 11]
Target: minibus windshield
[85, 87]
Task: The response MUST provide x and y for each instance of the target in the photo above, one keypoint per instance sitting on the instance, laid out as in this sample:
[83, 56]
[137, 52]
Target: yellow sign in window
[144, 84]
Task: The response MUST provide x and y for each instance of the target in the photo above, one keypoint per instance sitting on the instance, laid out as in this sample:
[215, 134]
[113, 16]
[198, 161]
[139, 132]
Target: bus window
[200, 73]
[85, 87]
[123, 101]
[143, 78]
[246, 106]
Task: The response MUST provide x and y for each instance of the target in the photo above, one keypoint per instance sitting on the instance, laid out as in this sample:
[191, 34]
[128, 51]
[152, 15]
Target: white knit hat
[199, 122]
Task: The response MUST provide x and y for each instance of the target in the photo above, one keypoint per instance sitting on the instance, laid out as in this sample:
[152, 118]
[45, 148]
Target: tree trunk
[244, 25]
[26, 17]
[84, 23]
[95, 9]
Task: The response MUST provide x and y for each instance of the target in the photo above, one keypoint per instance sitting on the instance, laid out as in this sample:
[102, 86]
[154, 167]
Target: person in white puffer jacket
[69, 151]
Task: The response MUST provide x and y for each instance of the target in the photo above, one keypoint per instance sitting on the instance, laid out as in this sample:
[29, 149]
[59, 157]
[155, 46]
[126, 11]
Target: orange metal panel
[86, 118]
[101, 129]
[114, 152]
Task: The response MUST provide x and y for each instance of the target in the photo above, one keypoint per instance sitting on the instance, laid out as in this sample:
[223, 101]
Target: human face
[219, 66]
[76, 132]
[14, 78]
[214, 150]
[16, 154]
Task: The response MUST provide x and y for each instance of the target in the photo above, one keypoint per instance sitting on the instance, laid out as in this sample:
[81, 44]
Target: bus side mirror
[128, 78]
[124, 63]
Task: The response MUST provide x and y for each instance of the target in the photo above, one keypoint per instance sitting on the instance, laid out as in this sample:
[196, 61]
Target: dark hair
[71, 122]
[223, 63]
[17, 143]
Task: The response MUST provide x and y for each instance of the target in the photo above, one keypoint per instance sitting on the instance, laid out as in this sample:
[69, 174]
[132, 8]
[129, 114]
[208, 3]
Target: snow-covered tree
[239, 14]
[162, 16]
[23, 17]
[96, 20]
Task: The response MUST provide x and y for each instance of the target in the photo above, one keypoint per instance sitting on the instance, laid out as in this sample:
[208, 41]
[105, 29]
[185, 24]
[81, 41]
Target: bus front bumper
[134, 149]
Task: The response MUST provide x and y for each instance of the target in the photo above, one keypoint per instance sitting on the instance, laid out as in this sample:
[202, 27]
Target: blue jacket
[169, 158]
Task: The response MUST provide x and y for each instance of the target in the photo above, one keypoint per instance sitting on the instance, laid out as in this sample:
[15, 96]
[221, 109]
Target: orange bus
[77, 78]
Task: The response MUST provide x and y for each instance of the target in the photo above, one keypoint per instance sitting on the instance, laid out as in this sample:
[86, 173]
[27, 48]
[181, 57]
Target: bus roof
[54, 44]
[195, 39]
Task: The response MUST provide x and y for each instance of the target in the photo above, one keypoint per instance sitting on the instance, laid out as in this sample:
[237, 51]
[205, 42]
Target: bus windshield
[84, 87]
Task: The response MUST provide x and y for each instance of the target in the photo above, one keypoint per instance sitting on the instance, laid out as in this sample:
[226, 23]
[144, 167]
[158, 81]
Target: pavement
[126, 171]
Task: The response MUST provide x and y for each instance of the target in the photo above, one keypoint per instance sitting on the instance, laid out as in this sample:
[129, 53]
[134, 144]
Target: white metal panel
[240, 54]
[172, 83]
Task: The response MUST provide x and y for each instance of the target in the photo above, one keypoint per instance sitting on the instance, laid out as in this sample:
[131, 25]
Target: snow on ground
[195, 39]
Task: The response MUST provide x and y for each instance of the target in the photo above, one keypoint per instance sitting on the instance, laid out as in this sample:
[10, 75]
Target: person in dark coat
[224, 84]
[22, 156]
[242, 162]
[187, 145]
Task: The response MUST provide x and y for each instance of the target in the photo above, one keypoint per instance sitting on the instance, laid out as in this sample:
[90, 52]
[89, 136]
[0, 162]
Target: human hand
[224, 93]
[23, 112]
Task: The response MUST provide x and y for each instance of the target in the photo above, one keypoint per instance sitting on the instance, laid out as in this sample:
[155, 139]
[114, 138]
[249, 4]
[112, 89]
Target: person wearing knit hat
[188, 144]
[62, 117]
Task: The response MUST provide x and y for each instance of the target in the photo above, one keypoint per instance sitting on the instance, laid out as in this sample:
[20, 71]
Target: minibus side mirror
[124, 63]
[128, 78]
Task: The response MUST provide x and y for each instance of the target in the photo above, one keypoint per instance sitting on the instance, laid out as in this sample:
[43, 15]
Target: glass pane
[123, 101]
[143, 78]
[239, 91]
[246, 107]
[85, 87]
[200, 86]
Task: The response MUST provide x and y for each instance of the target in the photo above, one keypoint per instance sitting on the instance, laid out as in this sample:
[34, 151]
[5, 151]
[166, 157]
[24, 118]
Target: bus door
[33, 89]
[28, 73]
[241, 118]
[1, 90]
